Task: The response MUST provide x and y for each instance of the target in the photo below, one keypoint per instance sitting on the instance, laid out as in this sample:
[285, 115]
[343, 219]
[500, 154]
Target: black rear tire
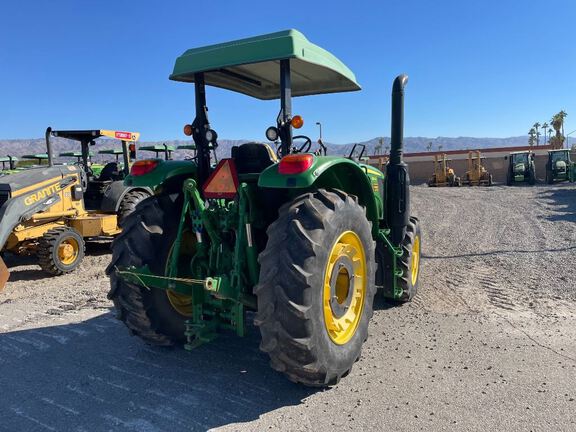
[146, 239]
[53, 247]
[292, 304]
[129, 203]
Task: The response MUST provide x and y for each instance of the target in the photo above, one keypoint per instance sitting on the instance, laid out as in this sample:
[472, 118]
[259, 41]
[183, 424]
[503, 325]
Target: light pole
[320, 126]
[567, 145]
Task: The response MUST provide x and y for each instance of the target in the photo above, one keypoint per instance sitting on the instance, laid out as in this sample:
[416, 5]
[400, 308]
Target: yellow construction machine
[443, 174]
[477, 175]
[49, 211]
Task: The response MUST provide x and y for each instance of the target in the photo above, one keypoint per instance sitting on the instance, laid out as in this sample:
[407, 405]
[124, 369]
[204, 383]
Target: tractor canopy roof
[186, 147]
[158, 148]
[251, 66]
[111, 151]
[88, 135]
[8, 159]
[559, 151]
[521, 152]
[40, 156]
[73, 154]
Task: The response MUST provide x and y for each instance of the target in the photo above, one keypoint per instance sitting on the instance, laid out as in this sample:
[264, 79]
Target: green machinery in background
[160, 149]
[8, 164]
[521, 168]
[303, 240]
[560, 167]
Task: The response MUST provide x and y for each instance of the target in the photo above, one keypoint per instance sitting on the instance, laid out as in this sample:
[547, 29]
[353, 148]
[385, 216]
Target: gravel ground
[488, 344]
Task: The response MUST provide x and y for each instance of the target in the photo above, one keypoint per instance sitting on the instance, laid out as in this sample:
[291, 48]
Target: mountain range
[19, 147]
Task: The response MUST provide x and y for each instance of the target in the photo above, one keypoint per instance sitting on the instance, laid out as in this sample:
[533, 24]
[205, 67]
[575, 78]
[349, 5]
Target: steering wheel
[302, 149]
[85, 171]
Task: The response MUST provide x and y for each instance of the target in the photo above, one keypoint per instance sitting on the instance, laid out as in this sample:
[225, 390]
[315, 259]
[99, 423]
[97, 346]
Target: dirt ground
[488, 344]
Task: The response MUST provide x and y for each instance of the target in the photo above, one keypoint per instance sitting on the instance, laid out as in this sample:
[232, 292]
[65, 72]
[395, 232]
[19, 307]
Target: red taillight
[295, 163]
[142, 167]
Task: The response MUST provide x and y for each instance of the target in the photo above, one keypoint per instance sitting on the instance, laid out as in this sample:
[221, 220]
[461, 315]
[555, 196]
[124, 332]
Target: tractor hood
[561, 165]
[33, 178]
[519, 168]
[28, 192]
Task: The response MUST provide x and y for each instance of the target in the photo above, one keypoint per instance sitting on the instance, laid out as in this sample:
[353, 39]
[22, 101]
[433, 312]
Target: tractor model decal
[43, 193]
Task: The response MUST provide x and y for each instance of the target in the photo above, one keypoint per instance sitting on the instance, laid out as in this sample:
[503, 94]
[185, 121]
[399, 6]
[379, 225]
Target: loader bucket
[4, 274]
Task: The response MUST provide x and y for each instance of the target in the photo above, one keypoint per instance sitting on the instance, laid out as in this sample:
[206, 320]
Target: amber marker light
[297, 122]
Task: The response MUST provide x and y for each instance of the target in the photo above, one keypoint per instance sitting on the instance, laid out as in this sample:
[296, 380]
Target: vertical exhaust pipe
[397, 179]
[49, 146]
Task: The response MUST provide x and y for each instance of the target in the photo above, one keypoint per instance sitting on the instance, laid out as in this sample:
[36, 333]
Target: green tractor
[8, 164]
[305, 241]
[560, 167]
[160, 149]
[521, 168]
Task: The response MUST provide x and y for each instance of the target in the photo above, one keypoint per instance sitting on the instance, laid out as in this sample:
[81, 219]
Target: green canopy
[158, 148]
[251, 66]
[7, 159]
[73, 154]
[39, 156]
[111, 151]
[186, 147]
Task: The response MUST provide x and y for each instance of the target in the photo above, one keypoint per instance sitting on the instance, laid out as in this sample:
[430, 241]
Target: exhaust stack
[397, 179]
[49, 146]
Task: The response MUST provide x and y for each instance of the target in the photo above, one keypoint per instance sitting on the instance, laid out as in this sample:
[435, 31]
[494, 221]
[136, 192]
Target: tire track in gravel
[484, 249]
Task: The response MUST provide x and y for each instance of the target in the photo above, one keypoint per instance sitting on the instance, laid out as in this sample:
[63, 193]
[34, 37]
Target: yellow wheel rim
[68, 251]
[415, 260]
[182, 303]
[344, 293]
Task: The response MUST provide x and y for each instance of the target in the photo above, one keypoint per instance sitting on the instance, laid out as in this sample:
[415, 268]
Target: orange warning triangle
[223, 182]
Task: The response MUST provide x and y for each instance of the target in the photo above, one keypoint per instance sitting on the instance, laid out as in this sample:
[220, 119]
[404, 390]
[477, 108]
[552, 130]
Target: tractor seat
[253, 158]
[111, 171]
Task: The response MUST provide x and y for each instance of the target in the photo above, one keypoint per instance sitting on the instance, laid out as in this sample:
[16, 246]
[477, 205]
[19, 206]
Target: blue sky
[477, 68]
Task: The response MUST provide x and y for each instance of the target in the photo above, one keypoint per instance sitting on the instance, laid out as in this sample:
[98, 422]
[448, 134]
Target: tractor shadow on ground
[93, 376]
[563, 203]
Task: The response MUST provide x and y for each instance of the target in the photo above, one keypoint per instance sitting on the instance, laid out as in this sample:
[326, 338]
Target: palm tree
[536, 127]
[439, 147]
[545, 127]
[429, 146]
[562, 114]
[550, 130]
[558, 125]
[532, 135]
[386, 149]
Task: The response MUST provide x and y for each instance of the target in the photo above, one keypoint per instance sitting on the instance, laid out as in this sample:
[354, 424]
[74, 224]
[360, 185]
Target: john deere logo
[43, 193]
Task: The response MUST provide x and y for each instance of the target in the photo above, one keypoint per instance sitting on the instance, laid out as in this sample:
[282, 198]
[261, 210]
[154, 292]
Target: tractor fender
[167, 174]
[115, 193]
[330, 172]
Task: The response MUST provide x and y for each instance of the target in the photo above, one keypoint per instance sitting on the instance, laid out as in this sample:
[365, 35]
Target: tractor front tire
[129, 203]
[60, 250]
[316, 287]
[409, 262]
[146, 239]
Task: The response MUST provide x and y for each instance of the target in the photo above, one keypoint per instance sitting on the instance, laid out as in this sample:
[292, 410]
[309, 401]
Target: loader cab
[100, 180]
